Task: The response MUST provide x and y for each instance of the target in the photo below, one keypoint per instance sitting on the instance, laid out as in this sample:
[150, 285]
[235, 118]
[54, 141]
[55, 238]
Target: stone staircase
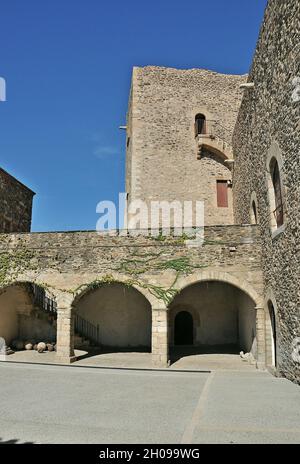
[81, 342]
[86, 333]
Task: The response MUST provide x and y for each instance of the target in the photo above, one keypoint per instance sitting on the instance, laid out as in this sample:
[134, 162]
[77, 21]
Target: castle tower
[179, 131]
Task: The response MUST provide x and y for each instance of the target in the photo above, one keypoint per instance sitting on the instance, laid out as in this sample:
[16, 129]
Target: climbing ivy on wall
[14, 262]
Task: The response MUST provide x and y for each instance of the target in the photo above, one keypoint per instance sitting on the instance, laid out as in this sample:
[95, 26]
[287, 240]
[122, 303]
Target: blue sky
[67, 65]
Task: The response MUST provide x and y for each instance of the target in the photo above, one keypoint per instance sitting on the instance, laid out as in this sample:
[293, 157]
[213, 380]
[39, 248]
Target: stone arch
[271, 329]
[23, 315]
[114, 315]
[224, 313]
[50, 293]
[221, 150]
[219, 276]
[87, 287]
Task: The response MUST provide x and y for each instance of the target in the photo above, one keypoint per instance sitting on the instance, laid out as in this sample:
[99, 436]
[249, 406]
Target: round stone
[41, 347]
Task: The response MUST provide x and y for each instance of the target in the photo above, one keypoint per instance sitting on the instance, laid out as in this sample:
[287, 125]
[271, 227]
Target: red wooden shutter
[222, 194]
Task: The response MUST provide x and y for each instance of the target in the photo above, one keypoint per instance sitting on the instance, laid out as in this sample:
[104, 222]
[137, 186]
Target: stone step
[81, 341]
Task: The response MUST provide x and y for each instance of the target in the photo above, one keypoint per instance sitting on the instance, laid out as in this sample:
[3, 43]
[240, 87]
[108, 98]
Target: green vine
[13, 263]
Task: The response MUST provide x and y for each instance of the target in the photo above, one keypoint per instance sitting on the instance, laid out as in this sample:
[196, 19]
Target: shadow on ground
[15, 441]
[90, 352]
[179, 352]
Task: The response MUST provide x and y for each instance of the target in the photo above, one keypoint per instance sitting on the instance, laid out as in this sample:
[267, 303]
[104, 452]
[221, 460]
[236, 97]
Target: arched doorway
[183, 329]
[114, 317]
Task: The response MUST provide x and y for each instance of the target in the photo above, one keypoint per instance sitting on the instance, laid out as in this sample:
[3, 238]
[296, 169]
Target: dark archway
[184, 329]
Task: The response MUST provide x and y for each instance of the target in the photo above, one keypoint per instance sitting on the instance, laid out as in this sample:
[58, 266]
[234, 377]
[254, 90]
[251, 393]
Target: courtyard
[84, 404]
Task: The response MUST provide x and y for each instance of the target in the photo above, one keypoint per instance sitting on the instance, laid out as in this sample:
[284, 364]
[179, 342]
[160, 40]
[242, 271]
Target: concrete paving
[139, 360]
[75, 404]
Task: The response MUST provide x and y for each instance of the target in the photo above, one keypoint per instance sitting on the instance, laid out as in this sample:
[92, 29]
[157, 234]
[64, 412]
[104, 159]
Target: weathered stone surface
[162, 149]
[268, 125]
[15, 204]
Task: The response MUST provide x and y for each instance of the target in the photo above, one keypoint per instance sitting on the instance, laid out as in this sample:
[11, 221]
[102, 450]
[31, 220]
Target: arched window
[276, 204]
[200, 124]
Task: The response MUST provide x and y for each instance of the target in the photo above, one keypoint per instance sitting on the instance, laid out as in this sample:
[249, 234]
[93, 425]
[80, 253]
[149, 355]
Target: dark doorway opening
[184, 329]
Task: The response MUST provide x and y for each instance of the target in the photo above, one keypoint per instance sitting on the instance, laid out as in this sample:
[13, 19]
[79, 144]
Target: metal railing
[88, 330]
[214, 129]
[278, 214]
[43, 301]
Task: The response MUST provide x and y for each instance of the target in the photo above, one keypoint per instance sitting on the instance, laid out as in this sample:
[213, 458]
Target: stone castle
[232, 142]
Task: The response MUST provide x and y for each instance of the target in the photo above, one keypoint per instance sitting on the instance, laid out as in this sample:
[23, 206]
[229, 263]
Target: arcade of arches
[209, 316]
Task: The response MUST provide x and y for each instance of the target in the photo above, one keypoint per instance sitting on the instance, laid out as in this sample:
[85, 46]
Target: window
[272, 320]
[275, 175]
[200, 124]
[222, 193]
[254, 213]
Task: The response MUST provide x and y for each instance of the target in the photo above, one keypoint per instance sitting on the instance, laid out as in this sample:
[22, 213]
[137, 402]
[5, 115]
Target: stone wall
[162, 149]
[70, 266]
[66, 260]
[15, 204]
[269, 126]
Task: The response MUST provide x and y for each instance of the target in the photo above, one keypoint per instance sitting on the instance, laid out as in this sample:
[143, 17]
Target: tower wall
[162, 149]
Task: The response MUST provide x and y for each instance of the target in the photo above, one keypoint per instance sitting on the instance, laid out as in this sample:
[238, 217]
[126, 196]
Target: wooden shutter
[222, 194]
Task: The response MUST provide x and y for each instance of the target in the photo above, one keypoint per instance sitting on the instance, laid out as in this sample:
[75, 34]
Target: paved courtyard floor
[189, 361]
[76, 404]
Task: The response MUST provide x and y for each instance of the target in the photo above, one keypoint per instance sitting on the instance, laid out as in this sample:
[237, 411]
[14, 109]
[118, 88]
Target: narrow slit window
[278, 212]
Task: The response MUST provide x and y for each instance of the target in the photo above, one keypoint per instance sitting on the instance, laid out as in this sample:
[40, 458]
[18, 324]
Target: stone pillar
[260, 337]
[160, 347]
[65, 332]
